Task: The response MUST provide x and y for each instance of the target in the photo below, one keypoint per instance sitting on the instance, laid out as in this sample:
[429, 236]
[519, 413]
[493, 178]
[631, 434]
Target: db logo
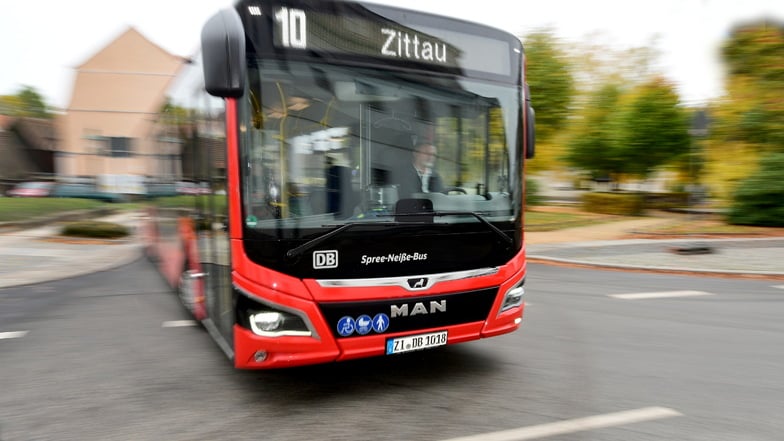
[325, 259]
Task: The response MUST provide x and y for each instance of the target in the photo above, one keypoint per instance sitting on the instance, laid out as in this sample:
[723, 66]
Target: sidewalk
[605, 245]
[38, 255]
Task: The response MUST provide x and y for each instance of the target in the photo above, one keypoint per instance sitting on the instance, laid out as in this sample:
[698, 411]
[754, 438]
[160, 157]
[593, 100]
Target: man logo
[419, 283]
[418, 308]
[325, 259]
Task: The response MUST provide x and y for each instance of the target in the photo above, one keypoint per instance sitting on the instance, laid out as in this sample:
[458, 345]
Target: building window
[120, 147]
[95, 144]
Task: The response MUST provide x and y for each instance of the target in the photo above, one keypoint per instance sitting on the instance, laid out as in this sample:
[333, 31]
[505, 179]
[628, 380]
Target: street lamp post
[698, 129]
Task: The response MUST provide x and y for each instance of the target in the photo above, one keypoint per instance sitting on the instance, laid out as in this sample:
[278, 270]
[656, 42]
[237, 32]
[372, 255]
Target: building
[27, 149]
[109, 126]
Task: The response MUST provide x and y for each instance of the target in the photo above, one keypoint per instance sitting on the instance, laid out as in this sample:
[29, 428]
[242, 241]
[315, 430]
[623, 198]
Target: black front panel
[413, 313]
[387, 252]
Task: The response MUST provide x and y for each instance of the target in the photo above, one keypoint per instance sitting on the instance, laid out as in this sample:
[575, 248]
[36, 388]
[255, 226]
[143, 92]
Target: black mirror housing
[223, 53]
[530, 131]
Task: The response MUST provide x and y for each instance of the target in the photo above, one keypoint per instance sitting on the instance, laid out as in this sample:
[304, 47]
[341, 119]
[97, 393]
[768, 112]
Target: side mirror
[530, 125]
[530, 130]
[223, 54]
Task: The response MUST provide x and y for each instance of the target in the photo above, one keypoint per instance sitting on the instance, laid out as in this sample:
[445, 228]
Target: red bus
[365, 171]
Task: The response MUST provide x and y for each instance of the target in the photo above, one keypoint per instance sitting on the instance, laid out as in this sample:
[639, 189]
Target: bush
[759, 199]
[625, 204]
[532, 196]
[667, 201]
[95, 229]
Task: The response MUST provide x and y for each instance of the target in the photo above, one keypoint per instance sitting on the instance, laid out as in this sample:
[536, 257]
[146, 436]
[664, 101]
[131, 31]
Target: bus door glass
[209, 141]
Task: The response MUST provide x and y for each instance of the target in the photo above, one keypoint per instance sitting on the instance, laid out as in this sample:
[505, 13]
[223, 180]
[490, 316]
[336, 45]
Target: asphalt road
[89, 358]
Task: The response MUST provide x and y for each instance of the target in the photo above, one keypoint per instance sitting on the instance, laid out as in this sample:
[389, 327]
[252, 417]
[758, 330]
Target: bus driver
[419, 176]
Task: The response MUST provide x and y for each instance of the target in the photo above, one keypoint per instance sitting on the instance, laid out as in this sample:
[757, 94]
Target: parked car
[84, 191]
[160, 189]
[33, 189]
[192, 188]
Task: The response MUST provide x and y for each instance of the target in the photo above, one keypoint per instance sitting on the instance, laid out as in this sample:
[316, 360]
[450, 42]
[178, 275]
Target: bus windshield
[323, 145]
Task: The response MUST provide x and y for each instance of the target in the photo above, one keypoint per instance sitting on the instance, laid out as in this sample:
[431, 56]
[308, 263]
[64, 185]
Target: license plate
[416, 342]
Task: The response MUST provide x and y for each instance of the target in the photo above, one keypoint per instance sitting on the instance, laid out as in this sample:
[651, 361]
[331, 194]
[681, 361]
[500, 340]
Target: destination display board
[364, 30]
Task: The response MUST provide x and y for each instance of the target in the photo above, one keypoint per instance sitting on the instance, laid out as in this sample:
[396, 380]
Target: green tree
[604, 77]
[748, 121]
[550, 81]
[7, 104]
[629, 133]
[650, 128]
[753, 111]
[25, 103]
[173, 114]
[591, 144]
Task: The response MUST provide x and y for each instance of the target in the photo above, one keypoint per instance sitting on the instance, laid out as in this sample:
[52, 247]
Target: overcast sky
[42, 41]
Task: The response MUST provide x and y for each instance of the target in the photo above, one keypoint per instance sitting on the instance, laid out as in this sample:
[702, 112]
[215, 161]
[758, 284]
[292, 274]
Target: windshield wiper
[478, 216]
[309, 245]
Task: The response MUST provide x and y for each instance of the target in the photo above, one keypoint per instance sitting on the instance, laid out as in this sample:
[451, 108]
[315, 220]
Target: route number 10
[293, 25]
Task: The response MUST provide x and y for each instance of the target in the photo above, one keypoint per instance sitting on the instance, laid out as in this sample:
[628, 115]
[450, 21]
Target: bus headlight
[514, 297]
[266, 321]
[274, 323]
[270, 320]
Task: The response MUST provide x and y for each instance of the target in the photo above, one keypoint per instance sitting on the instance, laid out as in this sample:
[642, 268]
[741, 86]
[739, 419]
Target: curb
[544, 260]
[580, 254]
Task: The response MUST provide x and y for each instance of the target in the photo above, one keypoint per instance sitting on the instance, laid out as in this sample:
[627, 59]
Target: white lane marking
[13, 334]
[779, 286]
[178, 323]
[659, 295]
[575, 425]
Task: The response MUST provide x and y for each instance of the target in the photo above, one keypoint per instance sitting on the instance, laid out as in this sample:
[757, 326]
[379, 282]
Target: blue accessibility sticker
[346, 326]
[364, 324]
[380, 322]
